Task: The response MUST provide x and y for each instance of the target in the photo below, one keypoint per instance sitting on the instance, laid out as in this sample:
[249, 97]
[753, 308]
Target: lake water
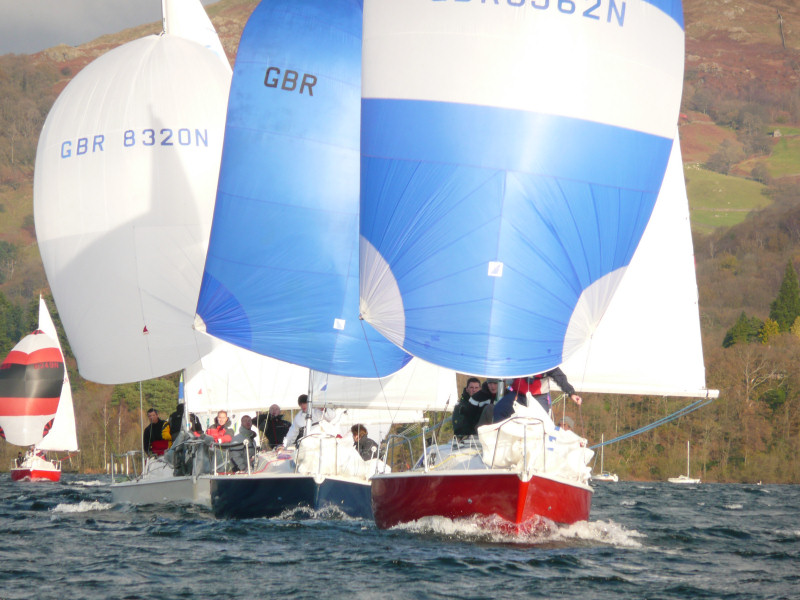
[644, 540]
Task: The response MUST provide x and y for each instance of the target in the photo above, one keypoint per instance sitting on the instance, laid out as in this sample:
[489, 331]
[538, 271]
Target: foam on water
[83, 506]
[92, 483]
[495, 530]
[302, 513]
[732, 506]
[662, 547]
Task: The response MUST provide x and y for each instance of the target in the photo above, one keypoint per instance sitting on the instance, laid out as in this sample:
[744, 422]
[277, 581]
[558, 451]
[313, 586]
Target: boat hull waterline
[35, 474]
[254, 496]
[179, 490]
[403, 498]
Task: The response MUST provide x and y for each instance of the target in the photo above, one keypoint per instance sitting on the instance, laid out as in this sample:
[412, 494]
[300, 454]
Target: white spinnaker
[124, 189]
[648, 342]
[62, 435]
[568, 57]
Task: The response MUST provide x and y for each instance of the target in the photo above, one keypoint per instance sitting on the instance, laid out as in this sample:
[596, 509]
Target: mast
[602, 452]
[310, 408]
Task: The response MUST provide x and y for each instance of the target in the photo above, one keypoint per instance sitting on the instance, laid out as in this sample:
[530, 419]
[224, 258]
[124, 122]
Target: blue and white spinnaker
[512, 153]
[281, 275]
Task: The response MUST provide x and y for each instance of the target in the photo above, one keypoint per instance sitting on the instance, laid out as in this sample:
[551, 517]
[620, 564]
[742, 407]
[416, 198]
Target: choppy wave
[91, 483]
[641, 541]
[302, 513]
[83, 506]
[544, 532]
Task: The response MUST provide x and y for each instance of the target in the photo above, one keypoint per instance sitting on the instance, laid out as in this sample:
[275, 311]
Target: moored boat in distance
[604, 475]
[687, 478]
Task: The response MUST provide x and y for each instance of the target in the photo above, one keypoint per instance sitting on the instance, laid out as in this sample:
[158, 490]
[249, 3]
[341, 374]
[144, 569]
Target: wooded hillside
[740, 136]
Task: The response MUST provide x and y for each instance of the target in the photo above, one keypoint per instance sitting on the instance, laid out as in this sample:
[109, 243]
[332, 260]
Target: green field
[785, 157]
[717, 200]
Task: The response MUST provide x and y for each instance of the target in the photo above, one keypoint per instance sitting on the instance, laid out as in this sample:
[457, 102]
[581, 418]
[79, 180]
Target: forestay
[512, 154]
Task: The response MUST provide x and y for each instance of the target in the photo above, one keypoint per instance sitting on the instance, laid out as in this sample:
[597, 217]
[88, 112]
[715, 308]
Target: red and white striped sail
[32, 382]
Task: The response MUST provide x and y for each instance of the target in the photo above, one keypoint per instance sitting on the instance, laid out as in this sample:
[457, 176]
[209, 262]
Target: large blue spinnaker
[281, 276]
[512, 154]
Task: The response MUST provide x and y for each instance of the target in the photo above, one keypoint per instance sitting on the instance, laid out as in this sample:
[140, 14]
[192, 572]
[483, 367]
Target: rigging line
[677, 414]
[375, 367]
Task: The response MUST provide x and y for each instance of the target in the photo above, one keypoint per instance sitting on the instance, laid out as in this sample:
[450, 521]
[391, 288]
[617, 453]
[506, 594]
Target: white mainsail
[648, 342]
[240, 381]
[62, 435]
[188, 19]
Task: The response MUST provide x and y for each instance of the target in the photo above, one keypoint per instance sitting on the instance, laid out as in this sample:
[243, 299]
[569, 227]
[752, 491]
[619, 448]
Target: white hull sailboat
[126, 168]
[685, 478]
[37, 402]
[242, 382]
[604, 475]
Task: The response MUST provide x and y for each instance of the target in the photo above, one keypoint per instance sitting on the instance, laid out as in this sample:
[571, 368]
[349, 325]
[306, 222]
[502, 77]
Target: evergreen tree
[743, 331]
[786, 307]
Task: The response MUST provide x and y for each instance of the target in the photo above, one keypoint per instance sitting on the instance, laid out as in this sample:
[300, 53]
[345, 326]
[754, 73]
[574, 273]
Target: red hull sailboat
[36, 402]
[407, 497]
[532, 218]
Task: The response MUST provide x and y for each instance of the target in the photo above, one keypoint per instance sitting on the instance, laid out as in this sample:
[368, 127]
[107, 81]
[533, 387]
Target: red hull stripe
[35, 475]
[28, 407]
[402, 499]
[43, 355]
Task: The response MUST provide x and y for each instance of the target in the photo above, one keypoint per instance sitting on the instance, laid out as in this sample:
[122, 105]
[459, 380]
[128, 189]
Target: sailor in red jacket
[221, 430]
[539, 388]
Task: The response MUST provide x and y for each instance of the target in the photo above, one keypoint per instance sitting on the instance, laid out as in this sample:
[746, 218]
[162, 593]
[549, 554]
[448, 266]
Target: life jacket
[219, 434]
[158, 447]
[536, 385]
